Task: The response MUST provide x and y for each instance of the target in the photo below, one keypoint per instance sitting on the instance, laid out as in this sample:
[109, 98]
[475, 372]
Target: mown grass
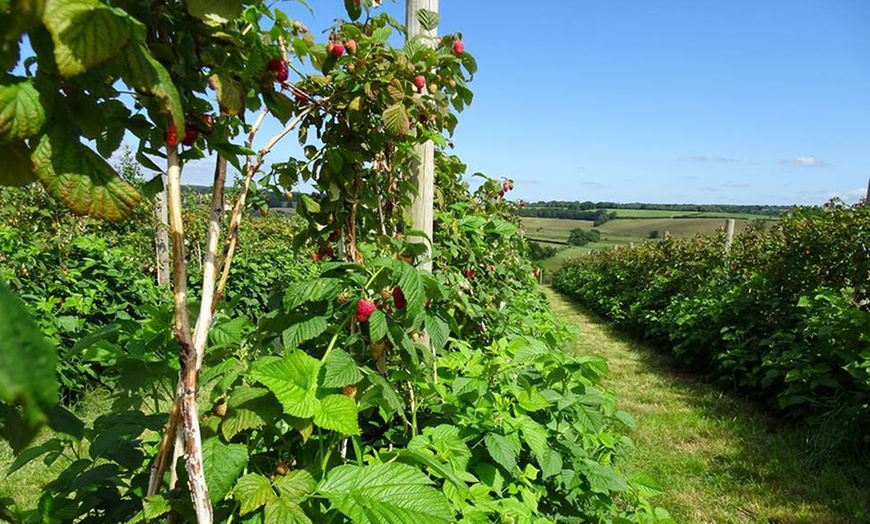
[24, 486]
[678, 227]
[719, 458]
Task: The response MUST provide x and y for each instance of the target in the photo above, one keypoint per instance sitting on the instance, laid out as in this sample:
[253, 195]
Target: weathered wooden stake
[421, 211]
[729, 234]
[667, 235]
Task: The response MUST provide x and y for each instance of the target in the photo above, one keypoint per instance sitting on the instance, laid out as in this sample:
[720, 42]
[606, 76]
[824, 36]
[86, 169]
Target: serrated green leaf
[550, 462]
[253, 491]
[311, 291]
[284, 511]
[296, 485]
[396, 120]
[279, 105]
[603, 478]
[248, 408]
[300, 332]
[230, 95]
[502, 450]
[155, 506]
[22, 114]
[31, 454]
[386, 493]
[293, 380]
[222, 465]
[382, 34]
[141, 71]
[219, 11]
[439, 332]
[412, 288]
[27, 361]
[341, 370]
[338, 413]
[16, 168]
[378, 325]
[530, 399]
[81, 179]
[429, 20]
[85, 33]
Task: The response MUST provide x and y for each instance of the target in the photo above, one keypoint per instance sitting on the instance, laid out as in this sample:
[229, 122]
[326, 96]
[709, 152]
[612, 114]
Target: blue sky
[667, 101]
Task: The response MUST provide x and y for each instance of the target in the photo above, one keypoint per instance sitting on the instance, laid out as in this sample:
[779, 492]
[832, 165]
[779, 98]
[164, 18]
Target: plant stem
[187, 352]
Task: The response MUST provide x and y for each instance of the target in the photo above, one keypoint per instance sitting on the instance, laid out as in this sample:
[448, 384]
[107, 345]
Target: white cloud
[805, 161]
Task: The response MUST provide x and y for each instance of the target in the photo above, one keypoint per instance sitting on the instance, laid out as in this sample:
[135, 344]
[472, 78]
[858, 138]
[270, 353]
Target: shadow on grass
[767, 471]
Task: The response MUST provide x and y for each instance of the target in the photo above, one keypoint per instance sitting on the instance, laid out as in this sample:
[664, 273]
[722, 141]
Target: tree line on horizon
[588, 210]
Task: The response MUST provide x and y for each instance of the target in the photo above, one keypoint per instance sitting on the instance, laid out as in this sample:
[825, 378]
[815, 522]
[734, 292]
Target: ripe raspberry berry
[208, 125]
[364, 309]
[399, 298]
[316, 256]
[469, 273]
[458, 47]
[328, 251]
[190, 136]
[420, 82]
[171, 135]
[279, 67]
[337, 50]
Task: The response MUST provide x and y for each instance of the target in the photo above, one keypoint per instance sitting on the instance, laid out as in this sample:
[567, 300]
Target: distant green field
[553, 228]
[678, 227]
[656, 213]
[631, 226]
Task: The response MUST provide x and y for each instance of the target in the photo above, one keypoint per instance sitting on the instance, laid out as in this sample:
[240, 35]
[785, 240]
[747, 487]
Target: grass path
[717, 457]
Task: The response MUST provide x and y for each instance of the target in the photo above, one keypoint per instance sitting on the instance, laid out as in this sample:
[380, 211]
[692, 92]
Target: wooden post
[631, 245]
[161, 235]
[729, 234]
[422, 213]
[667, 235]
[867, 198]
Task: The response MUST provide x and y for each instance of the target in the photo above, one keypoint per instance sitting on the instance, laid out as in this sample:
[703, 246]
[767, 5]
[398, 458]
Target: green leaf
[155, 506]
[16, 168]
[282, 510]
[279, 105]
[341, 370]
[353, 8]
[293, 380]
[22, 114]
[222, 465]
[311, 291]
[396, 120]
[142, 72]
[31, 454]
[230, 95]
[530, 399]
[303, 331]
[220, 11]
[386, 494]
[382, 34]
[603, 478]
[439, 332]
[27, 361]
[338, 413]
[502, 450]
[81, 179]
[86, 33]
[646, 486]
[296, 485]
[429, 20]
[253, 491]
[378, 326]
[412, 288]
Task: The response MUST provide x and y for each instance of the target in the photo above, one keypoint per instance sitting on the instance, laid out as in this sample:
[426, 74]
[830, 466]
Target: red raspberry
[458, 47]
[171, 135]
[328, 251]
[338, 50]
[208, 127]
[279, 67]
[469, 273]
[364, 309]
[399, 298]
[190, 136]
[420, 82]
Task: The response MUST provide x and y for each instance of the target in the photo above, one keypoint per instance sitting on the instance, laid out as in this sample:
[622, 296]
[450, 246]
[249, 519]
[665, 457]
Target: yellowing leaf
[86, 33]
[21, 113]
[81, 179]
[396, 120]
